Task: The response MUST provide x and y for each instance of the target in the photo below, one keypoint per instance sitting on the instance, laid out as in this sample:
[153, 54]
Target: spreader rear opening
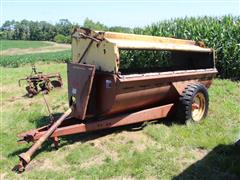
[133, 61]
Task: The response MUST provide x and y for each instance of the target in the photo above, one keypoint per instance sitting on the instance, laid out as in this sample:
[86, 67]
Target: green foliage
[18, 60]
[136, 59]
[2, 35]
[35, 30]
[79, 155]
[120, 29]
[8, 44]
[88, 23]
[64, 27]
[220, 33]
[62, 39]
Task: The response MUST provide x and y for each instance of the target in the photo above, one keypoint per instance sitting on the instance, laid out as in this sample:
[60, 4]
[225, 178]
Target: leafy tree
[88, 23]
[120, 29]
[64, 27]
[59, 38]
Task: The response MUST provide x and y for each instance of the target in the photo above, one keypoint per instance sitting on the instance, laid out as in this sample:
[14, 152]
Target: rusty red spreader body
[117, 79]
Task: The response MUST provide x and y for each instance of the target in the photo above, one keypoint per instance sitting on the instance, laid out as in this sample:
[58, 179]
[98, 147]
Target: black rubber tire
[56, 83]
[184, 109]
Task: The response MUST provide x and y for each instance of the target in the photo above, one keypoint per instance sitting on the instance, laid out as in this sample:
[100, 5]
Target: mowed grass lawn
[21, 44]
[153, 150]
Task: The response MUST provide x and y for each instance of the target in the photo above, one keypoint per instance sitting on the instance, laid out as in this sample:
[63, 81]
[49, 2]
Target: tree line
[44, 31]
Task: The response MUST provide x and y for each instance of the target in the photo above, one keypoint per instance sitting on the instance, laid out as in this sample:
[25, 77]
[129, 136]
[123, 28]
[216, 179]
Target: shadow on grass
[84, 137]
[45, 120]
[223, 162]
[88, 136]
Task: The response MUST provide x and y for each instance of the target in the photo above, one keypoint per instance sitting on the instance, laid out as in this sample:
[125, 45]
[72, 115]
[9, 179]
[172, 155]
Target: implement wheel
[56, 83]
[31, 91]
[193, 103]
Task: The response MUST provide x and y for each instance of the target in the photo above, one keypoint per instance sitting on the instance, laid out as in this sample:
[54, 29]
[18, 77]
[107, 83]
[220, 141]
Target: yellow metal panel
[78, 47]
[146, 38]
[103, 55]
[128, 44]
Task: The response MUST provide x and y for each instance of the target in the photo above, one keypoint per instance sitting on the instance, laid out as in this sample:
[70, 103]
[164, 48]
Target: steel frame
[76, 127]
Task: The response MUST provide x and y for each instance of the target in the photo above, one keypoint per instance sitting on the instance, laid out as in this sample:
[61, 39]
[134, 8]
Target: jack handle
[25, 158]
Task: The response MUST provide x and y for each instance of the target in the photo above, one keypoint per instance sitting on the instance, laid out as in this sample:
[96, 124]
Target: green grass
[79, 155]
[19, 60]
[158, 151]
[21, 44]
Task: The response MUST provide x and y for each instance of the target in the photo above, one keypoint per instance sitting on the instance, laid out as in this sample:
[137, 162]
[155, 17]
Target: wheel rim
[198, 106]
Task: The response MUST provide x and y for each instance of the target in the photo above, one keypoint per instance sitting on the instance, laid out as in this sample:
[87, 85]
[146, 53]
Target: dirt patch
[122, 177]
[100, 144]
[13, 97]
[18, 97]
[130, 178]
[2, 175]
[7, 88]
[193, 155]
[200, 153]
[54, 47]
[44, 164]
[94, 161]
[140, 140]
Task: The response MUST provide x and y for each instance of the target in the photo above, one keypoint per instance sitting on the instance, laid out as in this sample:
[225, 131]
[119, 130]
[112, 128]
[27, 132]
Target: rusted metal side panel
[181, 85]
[119, 95]
[80, 78]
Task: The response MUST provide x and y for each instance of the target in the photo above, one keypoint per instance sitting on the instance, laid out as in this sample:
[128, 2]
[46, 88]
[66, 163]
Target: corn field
[220, 33]
[19, 60]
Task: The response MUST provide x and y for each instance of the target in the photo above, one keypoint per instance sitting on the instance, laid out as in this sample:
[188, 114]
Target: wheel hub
[198, 106]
